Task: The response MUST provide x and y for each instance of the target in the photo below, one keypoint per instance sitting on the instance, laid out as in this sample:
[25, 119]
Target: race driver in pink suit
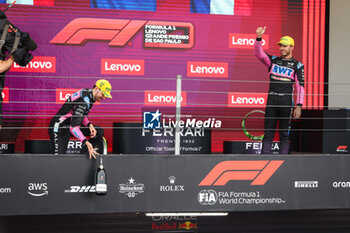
[285, 72]
[71, 120]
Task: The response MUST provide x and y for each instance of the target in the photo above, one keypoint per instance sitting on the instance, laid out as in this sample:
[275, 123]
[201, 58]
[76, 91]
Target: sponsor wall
[153, 183]
[140, 48]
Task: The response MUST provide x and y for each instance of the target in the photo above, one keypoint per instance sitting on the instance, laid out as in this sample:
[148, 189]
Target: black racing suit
[69, 119]
[284, 73]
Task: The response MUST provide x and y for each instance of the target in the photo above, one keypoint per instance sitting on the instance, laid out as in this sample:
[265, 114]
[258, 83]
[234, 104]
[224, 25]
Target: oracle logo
[246, 41]
[125, 67]
[38, 64]
[247, 99]
[164, 98]
[207, 69]
[5, 95]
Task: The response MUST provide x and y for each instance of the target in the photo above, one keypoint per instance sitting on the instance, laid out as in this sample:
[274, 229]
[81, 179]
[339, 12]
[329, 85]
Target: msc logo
[282, 70]
[117, 31]
[207, 197]
[37, 189]
[258, 171]
[151, 120]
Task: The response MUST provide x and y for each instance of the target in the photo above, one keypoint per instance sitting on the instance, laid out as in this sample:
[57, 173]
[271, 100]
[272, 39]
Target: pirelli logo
[257, 171]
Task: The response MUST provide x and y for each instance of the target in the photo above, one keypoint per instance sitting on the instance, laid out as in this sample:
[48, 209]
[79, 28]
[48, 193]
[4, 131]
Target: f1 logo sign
[117, 31]
[258, 171]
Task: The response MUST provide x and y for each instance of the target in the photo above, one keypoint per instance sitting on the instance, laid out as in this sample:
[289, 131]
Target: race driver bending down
[284, 72]
[73, 114]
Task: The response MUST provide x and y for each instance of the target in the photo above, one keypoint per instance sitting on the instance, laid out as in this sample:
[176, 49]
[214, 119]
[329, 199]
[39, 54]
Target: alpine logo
[38, 64]
[164, 98]
[207, 69]
[246, 41]
[257, 171]
[38, 189]
[5, 95]
[81, 189]
[343, 149]
[117, 31]
[247, 99]
[119, 66]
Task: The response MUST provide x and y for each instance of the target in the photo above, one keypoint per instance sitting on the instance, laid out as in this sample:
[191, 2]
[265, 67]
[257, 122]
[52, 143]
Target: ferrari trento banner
[140, 46]
[154, 183]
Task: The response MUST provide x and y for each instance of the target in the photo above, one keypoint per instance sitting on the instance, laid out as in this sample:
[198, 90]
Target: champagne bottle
[101, 179]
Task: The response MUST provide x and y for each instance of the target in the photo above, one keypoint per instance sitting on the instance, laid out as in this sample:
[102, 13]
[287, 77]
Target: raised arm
[258, 51]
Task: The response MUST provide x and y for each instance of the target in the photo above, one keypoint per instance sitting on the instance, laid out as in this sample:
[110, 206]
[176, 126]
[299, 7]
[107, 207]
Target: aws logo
[282, 71]
[38, 189]
[257, 171]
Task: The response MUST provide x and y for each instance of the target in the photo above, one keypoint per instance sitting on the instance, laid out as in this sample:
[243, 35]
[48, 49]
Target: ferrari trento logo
[120, 31]
[257, 171]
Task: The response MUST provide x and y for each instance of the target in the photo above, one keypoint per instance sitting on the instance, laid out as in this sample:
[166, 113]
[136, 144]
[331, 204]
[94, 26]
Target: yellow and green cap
[286, 40]
[105, 87]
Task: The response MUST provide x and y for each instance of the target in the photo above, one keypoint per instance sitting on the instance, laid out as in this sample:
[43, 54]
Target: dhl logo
[257, 171]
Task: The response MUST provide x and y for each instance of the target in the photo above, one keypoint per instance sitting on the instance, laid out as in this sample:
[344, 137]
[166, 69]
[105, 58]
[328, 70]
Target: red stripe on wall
[317, 55]
[322, 50]
[305, 39]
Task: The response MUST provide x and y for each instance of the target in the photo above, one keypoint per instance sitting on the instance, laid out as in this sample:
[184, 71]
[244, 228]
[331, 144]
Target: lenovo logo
[5, 95]
[246, 41]
[63, 94]
[207, 69]
[38, 64]
[247, 100]
[257, 171]
[118, 32]
[164, 98]
[126, 67]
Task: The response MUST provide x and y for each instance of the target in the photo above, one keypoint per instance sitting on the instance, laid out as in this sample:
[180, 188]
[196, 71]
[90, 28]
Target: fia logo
[151, 120]
[207, 197]
[38, 189]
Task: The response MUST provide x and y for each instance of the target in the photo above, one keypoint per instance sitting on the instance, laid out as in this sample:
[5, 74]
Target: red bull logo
[188, 225]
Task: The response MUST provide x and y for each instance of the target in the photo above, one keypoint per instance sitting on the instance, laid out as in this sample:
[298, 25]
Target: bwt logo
[246, 41]
[257, 171]
[118, 66]
[207, 69]
[38, 64]
[282, 70]
[117, 31]
[151, 120]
